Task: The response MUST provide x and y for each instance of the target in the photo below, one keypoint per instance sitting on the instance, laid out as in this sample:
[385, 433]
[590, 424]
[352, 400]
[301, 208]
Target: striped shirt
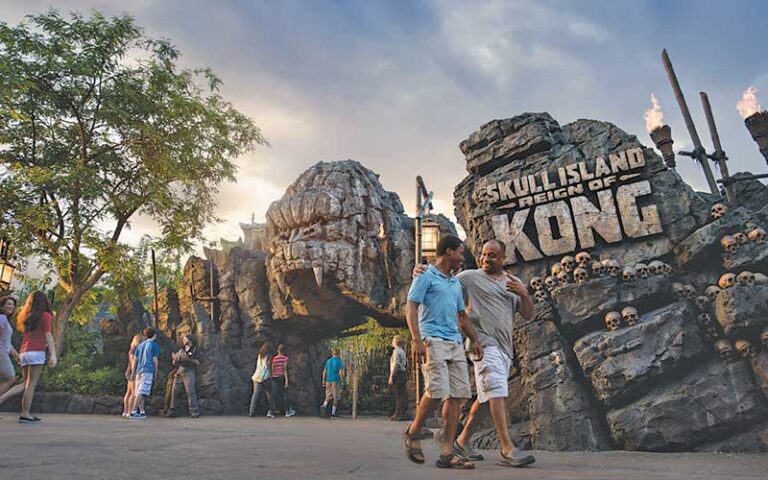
[279, 363]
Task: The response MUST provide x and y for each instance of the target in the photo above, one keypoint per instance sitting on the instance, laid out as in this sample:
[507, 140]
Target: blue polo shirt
[332, 368]
[440, 299]
[145, 354]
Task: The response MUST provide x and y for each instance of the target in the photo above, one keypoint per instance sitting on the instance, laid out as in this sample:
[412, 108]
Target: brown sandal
[453, 460]
[414, 454]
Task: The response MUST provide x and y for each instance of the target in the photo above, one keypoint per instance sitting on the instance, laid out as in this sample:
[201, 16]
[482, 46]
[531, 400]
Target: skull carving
[642, 270]
[666, 269]
[757, 235]
[746, 349]
[629, 274]
[568, 263]
[656, 267]
[629, 314]
[556, 269]
[550, 282]
[540, 296]
[718, 210]
[580, 275]
[562, 278]
[613, 268]
[729, 244]
[613, 321]
[583, 259]
[598, 269]
[703, 303]
[705, 321]
[689, 291]
[725, 349]
[678, 290]
[740, 238]
[712, 292]
[537, 283]
[745, 278]
[727, 280]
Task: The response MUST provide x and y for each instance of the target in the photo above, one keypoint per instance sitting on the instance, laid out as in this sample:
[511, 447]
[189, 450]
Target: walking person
[34, 322]
[261, 379]
[186, 362]
[130, 377]
[333, 372]
[7, 372]
[493, 296]
[145, 365]
[435, 315]
[398, 377]
[279, 398]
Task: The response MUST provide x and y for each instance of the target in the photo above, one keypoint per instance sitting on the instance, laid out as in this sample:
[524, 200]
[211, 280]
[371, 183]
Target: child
[261, 379]
[130, 377]
[145, 366]
[332, 373]
[280, 383]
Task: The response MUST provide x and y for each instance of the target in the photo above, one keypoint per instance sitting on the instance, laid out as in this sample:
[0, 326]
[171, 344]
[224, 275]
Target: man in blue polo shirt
[434, 313]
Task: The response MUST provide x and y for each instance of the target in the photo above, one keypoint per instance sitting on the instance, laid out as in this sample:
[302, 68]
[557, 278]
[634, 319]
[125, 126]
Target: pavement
[109, 447]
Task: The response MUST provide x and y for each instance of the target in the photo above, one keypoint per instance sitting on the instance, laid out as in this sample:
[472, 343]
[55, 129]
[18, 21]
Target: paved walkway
[103, 447]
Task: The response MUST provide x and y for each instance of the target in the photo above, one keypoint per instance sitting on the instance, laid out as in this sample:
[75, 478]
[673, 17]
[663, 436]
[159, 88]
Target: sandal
[414, 454]
[453, 460]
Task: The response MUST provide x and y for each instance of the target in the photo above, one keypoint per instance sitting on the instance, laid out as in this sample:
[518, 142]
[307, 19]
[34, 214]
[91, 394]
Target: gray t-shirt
[491, 308]
[5, 335]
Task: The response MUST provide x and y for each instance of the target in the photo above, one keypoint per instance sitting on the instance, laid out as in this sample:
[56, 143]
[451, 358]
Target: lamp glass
[6, 273]
[430, 236]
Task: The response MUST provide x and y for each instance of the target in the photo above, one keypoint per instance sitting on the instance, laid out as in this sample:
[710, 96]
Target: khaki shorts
[445, 373]
[491, 374]
[332, 391]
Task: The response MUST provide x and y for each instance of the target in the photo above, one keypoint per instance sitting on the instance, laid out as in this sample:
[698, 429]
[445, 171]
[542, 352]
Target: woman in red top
[34, 321]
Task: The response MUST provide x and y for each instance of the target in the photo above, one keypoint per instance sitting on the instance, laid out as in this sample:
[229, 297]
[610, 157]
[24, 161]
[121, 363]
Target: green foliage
[83, 369]
[98, 124]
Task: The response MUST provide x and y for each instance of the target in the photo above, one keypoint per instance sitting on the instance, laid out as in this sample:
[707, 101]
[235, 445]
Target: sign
[558, 211]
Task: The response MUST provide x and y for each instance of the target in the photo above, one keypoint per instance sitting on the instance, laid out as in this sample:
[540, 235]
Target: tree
[98, 124]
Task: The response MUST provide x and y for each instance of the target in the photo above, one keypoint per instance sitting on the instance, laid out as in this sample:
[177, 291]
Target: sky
[397, 85]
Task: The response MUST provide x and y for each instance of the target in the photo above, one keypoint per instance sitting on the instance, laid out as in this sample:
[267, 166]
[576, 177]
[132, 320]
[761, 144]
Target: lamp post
[6, 266]
[423, 207]
[430, 236]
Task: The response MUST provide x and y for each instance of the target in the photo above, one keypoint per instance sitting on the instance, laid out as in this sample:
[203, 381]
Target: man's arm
[526, 304]
[412, 319]
[285, 374]
[154, 361]
[469, 330]
[323, 376]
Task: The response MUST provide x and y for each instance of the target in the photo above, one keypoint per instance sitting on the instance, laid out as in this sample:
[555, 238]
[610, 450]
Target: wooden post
[355, 370]
[154, 284]
[210, 269]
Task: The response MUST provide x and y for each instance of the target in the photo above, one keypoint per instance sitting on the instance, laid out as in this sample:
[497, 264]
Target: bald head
[493, 256]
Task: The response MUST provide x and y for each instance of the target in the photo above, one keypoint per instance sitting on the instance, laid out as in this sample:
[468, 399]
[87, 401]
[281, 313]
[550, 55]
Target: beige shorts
[332, 391]
[492, 374]
[445, 373]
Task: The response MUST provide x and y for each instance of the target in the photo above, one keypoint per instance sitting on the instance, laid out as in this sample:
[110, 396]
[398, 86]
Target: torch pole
[417, 261]
[698, 151]
[719, 155]
[154, 284]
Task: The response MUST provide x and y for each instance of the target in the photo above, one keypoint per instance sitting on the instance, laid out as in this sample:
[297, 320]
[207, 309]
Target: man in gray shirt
[493, 297]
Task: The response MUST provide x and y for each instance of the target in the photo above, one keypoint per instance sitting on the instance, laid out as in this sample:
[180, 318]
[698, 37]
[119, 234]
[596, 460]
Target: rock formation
[652, 381]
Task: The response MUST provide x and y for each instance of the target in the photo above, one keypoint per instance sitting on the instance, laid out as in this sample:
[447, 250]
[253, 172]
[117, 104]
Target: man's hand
[53, 361]
[516, 286]
[419, 350]
[390, 382]
[419, 269]
[477, 351]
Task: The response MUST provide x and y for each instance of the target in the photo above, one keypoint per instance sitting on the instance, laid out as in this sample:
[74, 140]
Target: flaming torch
[660, 134]
[755, 118]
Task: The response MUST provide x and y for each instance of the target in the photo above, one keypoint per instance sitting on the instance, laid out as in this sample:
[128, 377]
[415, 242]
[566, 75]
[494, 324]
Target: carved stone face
[745, 278]
[740, 238]
[727, 280]
[562, 278]
[678, 290]
[757, 235]
[580, 275]
[725, 349]
[703, 303]
[540, 296]
[537, 283]
[729, 244]
[712, 292]
[629, 314]
[745, 349]
[568, 263]
[689, 291]
[556, 269]
[613, 268]
[598, 269]
[583, 259]
[718, 210]
[613, 321]
[550, 282]
[642, 270]
[629, 274]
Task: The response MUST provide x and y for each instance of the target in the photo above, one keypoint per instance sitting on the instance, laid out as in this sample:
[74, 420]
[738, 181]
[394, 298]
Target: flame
[748, 105]
[654, 117]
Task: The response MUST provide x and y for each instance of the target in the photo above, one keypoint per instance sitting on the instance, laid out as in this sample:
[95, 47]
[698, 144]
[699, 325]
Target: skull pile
[630, 316]
[583, 260]
[727, 280]
[539, 296]
[613, 321]
[629, 274]
[703, 303]
[756, 235]
[580, 275]
[537, 283]
[642, 270]
[550, 283]
[712, 292]
[612, 267]
[718, 210]
[725, 349]
[598, 269]
[568, 263]
[745, 279]
[729, 244]
[657, 267]
[707, 324]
